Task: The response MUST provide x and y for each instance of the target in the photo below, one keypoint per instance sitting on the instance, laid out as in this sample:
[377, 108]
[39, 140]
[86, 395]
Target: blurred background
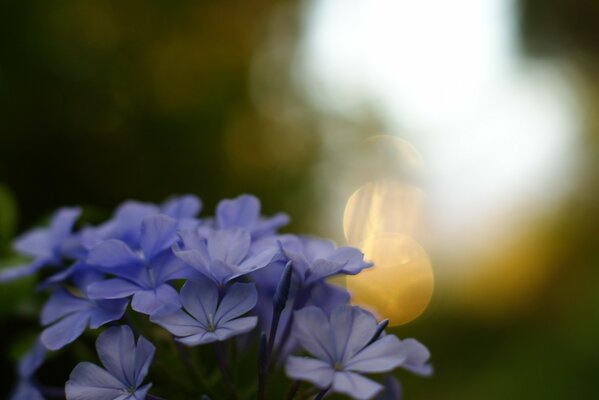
[455, 142]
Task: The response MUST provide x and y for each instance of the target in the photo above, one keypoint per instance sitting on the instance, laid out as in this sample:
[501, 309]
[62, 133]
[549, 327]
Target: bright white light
[496, 131]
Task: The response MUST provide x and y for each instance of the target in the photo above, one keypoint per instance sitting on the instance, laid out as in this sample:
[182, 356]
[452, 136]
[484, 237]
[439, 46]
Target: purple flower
[342, 347]
[125, 367]
[244, 212]
[43, 244]
[206, 319]
[68, 314]
[315, 259]
[222, 255]
[143, 274]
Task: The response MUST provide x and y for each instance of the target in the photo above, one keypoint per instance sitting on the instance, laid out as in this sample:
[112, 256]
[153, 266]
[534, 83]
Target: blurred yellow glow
[382, 218]
[400, 285]
[382, 206]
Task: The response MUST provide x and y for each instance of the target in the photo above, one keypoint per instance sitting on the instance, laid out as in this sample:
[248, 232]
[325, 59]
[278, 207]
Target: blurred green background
[101, 101]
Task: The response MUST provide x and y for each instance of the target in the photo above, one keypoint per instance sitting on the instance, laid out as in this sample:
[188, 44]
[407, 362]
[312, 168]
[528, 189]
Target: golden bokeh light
[383, 206]
[400, 285]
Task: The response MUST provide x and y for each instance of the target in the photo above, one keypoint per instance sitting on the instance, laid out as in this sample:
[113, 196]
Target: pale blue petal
[353, 328]
[198, 339]
[34, 243]
[355, 386]
[62, 224]
[241, 212]
[12, 273]
[239, 299]
[65, 331]
[116, 288]
[178, 323]
[229, 246]
[235, 327]
[312, 329]
[158, 232]
[383, 355]
[90, 382]
[116, 350]
[62, 303]
[141, 393]
[151, 300]
[187, 206]
[200, 299]
[107, 311]
[315, 371]
[111, 254]
[32, 360]
[417, 358]
[144, 353]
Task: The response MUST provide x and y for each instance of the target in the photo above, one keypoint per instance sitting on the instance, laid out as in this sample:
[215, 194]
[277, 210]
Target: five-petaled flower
[208, 317]
[125, 364]
[143, 274]
[344, 346]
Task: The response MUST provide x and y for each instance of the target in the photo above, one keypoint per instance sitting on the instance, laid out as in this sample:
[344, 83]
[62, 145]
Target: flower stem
[321, 394]
[222, 365]
[292, 390]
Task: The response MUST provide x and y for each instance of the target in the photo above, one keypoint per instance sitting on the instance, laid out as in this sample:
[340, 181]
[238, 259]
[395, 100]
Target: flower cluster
[229, 283]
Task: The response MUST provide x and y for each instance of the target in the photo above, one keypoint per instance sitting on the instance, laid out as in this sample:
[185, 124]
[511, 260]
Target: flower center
[211, 326]
[338, 366]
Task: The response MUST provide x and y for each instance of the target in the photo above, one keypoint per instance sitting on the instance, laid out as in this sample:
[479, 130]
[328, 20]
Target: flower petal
[116, 350]
[32, 360]
[417, 358]
[229, 246]
[65, 331]
[235, 327]
[200, 299]
[241, 212]
[107, 311]
[144, 353]
[116, 288]
[239, 299]
[381, 356]
[34, 243]
[62, 224]
[151, 300]
[178, 323]
[158, 232]
[313, 330]
[353, 329]
[112, 253]
[62, 303]
[187, 206]
[12, 273]
[355, 386]
[309, 369]
[90, 382]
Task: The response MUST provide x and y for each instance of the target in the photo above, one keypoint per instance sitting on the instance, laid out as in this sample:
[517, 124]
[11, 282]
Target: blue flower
[343, 349]
[244, 212]
[315, 259]
[125, 367]
[222, 255]
[143, 274]
[125, 224]
[68, 315]
[206, 319]
[43, 244]
[28, 365]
